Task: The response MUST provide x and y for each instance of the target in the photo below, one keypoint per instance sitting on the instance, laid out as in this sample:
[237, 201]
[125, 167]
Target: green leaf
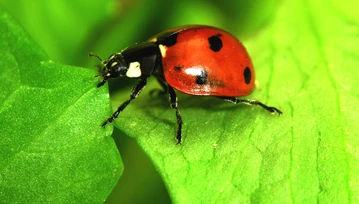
[52, 146]
[307, 66]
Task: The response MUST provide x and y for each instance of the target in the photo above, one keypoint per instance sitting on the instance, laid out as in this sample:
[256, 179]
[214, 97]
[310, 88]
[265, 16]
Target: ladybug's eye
[115, 66]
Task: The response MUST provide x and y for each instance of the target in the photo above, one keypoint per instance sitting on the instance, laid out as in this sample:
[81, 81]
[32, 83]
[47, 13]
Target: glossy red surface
[191, 54]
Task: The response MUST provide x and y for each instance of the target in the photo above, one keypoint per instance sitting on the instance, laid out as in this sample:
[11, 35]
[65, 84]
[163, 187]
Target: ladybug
[194, 59]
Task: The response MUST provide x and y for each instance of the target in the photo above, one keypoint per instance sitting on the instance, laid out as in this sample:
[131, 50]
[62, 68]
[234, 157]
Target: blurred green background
[69, 30]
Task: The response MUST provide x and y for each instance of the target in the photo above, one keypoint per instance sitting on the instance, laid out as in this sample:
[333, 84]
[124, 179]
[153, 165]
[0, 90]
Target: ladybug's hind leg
[173, 103]
[252, 102]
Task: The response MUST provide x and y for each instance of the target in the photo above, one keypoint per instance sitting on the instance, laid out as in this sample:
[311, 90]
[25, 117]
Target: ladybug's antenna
[91, 54]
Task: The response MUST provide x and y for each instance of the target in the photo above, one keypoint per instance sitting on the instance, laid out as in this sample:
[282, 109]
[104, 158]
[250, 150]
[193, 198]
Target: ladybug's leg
[135, 92]
[173, 103]
[252, 102]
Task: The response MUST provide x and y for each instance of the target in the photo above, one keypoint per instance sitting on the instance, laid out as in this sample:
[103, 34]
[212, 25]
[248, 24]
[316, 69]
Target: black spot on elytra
[202, 78]
[170, 40]
[178, 67]
[247, 75]
[215, 43]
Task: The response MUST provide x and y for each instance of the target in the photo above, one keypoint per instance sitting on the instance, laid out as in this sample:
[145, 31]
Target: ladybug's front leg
[252, 102]
[173, 103]
[135, 92]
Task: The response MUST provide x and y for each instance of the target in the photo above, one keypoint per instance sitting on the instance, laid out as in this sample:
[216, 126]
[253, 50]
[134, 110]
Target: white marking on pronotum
[163, 50]
[134, 70]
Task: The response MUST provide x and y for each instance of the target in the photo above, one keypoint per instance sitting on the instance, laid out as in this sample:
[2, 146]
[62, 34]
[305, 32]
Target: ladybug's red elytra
[194, 59]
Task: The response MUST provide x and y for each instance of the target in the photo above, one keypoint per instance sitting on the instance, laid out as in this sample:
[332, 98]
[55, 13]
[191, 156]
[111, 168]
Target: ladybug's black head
[114, 66]
[137, 61]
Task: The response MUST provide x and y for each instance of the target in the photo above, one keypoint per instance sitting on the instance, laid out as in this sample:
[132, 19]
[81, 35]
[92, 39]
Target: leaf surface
[52, 146]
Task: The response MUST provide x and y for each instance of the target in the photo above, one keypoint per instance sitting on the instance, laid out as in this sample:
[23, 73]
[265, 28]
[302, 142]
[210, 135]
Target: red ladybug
[194, 59]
